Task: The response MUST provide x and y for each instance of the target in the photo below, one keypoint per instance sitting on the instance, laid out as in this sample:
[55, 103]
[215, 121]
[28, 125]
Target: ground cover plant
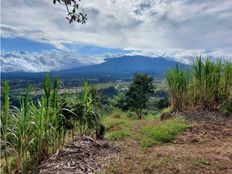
[146, 132]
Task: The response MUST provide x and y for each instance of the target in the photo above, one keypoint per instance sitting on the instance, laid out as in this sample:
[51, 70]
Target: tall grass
[5, 124]
[206, 81]
[30, 133]
[84, 113]
[226, 80]
[38, 128]
[20, 131]
[208, 84]
[178, 80]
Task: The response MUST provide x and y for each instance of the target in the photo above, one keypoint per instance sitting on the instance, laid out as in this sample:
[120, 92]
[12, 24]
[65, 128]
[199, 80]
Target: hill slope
[117, 68]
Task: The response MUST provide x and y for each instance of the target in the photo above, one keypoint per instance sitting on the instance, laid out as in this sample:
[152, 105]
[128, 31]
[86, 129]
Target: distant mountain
[118, 68]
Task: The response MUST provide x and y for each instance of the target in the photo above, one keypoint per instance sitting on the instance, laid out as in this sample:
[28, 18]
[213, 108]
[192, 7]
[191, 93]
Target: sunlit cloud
[178, 30]
[153, 24]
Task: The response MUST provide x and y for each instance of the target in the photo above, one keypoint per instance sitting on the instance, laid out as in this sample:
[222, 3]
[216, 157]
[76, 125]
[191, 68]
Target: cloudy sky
[36, 37]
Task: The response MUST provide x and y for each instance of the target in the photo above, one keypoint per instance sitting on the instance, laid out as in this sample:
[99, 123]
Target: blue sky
[23, 44]
[180, 29]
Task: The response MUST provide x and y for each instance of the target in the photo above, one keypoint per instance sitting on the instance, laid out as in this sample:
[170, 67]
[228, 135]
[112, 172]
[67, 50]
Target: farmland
[181, 123]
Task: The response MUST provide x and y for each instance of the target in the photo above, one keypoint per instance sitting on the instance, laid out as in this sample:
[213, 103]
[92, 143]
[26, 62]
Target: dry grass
[205, 148]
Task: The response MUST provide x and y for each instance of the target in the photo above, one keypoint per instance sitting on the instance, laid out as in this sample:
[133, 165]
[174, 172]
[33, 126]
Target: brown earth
[206, 148]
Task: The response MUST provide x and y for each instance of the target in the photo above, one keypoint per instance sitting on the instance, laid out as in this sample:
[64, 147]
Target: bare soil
[206, 148]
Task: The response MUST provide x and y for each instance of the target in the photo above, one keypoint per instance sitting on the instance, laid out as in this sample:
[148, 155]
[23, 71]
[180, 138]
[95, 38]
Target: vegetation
[5, 124]
[162, 133]
[146, 132]
[138, 94]
[177, 81]
[36, 128]
[41, 125]
[208, 85]
[119, 123]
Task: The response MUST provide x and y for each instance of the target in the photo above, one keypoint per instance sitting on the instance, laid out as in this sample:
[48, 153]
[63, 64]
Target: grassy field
[173, 146]
[146, 132]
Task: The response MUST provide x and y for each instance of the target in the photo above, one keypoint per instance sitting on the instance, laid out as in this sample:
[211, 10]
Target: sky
[35, 36]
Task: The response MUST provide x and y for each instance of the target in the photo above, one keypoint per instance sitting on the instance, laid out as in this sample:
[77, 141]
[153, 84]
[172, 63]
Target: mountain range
[115, 68]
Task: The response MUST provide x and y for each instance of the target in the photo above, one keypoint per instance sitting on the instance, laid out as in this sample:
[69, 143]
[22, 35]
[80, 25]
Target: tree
[74, 14]
[139, 93]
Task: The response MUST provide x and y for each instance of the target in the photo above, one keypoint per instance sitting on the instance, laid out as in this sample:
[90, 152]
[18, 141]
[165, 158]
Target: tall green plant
[208, 84]
[5, 123]
[32, 130]
[37, 146]
[178, 80]
[20, 131]
[84, 112]
[226, 80]
[47, 92]
[206, 81]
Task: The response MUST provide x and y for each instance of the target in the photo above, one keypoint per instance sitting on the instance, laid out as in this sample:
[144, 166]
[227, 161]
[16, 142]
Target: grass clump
[117, 126]
[162, 133]
[116, 119]
[118, 134]
[147, 132]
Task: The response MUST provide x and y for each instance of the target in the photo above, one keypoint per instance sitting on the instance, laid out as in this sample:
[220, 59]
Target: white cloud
[140, 24]
[45, 61]
[182, 56]
[65, 59]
